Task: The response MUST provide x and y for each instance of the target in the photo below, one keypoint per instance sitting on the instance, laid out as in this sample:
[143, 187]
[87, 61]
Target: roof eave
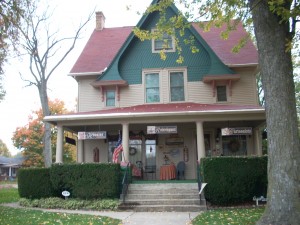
[61, 118]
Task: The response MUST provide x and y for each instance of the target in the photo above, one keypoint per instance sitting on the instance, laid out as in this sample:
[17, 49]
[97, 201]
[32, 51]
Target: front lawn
[244, 216]
[9, 195]
[12, 216]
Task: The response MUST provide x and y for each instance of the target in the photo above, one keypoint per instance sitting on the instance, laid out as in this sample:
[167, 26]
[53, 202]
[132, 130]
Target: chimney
[100, 21]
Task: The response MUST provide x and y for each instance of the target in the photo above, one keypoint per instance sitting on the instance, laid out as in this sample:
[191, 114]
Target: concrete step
[160, 197]
[164, 201]
[163, 208]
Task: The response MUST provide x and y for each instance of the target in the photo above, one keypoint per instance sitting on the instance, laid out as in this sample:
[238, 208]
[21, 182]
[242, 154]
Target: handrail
[125, 182]
[199, 179]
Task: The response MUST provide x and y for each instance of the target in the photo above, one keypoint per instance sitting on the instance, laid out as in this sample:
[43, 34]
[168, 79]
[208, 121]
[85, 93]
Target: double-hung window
[165, 43]
[152, 87]
[110, 98]
[221, 93]
[176, 86]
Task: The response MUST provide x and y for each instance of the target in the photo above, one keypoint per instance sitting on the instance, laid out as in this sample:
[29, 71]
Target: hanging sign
[91, 135]
[236, 131]
[161, 129]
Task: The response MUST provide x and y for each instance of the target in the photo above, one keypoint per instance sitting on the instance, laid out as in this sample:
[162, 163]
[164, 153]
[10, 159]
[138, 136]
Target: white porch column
[80, 151]
[59, 144]
[200, 140]
[9, 172]
[258, 141]
[125, 142]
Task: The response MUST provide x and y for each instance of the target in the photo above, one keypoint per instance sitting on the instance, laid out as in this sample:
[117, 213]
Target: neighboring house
[166, 112]
[9, 167]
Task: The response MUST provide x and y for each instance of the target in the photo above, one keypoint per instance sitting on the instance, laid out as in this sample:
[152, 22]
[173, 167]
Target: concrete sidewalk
[130, 217]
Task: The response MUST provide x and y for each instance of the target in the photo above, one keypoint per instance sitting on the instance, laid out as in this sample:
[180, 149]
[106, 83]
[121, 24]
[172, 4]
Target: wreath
[234, 145]
[132, 151]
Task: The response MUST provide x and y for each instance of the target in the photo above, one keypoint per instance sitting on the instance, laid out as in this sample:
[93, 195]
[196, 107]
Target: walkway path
[130, 217]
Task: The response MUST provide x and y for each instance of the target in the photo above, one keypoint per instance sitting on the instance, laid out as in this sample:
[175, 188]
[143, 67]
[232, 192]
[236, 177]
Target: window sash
[177, 86]
[166, 43]
[221, 94]
[110, 98]
[152, 87]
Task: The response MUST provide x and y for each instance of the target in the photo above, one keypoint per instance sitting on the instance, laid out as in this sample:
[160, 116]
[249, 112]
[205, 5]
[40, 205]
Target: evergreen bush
[34, 183]
[234, 179]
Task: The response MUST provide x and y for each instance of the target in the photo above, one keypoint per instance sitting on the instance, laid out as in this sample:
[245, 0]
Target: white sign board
[91, 135]
[161, 129]
[65, 193]
[236, 131]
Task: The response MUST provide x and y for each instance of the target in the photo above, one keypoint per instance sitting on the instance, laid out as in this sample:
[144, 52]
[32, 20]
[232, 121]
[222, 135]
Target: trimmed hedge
[34, 183]
[86, 181]
[234, 179]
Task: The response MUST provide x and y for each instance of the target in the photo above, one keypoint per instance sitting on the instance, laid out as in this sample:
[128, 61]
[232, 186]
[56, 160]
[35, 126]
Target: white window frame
[226, 89]
[110, 90]
[172, 49]
[184, 73]
[144, 85]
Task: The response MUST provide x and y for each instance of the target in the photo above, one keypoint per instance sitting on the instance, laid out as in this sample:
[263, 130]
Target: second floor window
[110, 98]
[176, 86]
[221, 94]
[152, 87]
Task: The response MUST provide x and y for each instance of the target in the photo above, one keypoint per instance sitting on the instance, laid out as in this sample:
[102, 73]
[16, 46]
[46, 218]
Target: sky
[21, 100]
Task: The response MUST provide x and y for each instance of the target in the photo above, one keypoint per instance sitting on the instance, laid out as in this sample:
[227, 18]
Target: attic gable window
[165, 44]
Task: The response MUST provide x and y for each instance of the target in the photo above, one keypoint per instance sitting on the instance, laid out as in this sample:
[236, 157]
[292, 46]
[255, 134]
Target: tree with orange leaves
[29, 138]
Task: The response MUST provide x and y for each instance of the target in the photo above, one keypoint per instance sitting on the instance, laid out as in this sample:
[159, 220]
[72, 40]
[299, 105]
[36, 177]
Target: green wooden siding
[138, 56]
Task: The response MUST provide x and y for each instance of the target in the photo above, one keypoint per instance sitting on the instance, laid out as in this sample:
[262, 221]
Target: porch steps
[163, 197]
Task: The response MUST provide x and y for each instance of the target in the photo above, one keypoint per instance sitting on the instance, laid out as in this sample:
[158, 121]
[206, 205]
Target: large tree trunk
[283, 205]
[47, 151]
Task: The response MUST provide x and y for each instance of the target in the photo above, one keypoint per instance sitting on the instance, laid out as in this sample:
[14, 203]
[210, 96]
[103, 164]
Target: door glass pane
[150, 152]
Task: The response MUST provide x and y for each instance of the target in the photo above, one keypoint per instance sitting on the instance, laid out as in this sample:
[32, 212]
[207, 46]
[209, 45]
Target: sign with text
[161, 129]
[236, 131]
[91, 135]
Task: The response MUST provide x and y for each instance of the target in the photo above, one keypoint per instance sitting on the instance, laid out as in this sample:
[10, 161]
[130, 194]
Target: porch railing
[125, 183]
[199, 179]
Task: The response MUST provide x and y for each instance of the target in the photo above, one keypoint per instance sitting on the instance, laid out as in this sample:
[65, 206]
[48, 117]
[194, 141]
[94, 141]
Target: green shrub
[34, 183]
[86, 181]
[72, 204]
[234, 179]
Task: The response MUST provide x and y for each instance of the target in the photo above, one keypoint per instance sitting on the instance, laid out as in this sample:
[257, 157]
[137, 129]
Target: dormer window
[221, 93]
[110, 98]
[165, 44]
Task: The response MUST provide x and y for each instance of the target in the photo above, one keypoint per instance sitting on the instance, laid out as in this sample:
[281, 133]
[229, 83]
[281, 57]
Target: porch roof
[150, 110]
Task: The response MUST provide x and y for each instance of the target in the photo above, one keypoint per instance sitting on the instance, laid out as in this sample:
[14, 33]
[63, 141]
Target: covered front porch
[155, 140]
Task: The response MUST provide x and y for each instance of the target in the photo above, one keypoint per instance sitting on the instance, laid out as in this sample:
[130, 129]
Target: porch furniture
[180, 170]
[168, 172]
[150, 170]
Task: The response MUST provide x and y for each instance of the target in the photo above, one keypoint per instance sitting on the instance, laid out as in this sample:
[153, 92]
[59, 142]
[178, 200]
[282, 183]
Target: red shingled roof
[173, 107]
[103, 46]
[100, 49]
[223, 48]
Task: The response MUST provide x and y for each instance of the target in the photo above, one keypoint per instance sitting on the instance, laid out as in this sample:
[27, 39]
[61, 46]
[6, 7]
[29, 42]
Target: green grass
[245, 216]
[9, 195]
[11, 216]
